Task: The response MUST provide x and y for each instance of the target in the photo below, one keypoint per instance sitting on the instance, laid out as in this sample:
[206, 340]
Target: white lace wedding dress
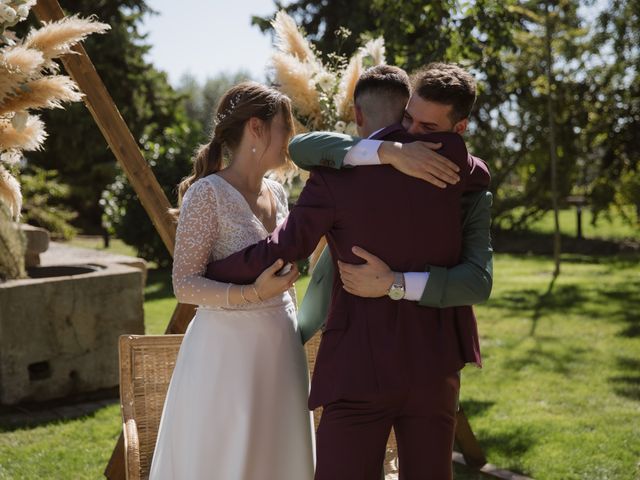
[236, 408]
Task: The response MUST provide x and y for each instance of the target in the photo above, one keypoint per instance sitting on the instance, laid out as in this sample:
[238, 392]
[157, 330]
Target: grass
[558, 397]
[73, 449]
[610, 225]
[559, 394]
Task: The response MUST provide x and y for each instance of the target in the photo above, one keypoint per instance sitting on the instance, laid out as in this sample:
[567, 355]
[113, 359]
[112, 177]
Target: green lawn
[559, 394]
[558, 397]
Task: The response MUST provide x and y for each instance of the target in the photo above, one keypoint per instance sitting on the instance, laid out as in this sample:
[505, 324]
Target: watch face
[396, 292]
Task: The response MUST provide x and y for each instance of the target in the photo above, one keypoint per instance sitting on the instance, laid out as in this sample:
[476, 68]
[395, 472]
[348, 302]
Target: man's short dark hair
[383, 80]
[448, 84]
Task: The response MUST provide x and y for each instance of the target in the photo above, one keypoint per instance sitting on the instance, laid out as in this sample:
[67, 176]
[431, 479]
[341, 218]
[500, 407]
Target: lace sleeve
[197, 231]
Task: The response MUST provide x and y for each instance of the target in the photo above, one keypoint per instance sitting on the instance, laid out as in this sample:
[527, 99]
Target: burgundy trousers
[353, 433]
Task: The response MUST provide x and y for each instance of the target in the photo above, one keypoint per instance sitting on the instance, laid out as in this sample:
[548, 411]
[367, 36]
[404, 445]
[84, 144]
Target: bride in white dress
[236, 408]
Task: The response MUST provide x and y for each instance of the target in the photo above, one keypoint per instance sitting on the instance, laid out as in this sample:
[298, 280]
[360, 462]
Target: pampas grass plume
[10, 193]
[375, 49]
[350, 76]
[45, 92]
[295, 81]
[18, 64]
[30, 138]
[290, 40]
[57, 38]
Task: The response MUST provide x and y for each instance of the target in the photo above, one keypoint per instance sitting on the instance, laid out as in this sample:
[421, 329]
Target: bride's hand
[269, 284]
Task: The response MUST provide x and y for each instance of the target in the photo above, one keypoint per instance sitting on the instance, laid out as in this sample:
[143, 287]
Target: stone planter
[59, 333]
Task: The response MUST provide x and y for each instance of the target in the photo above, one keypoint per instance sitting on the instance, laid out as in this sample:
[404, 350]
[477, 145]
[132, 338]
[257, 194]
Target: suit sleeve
[294, 239]
[320, 149]
[479, 177]
[315, 303]
[471, 281]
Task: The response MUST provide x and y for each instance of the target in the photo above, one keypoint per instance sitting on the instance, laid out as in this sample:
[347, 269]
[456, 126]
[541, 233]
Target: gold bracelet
[253, 285]
[228, 288]
[242, 294]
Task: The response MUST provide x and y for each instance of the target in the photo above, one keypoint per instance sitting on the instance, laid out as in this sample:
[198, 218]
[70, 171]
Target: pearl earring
[253, 150]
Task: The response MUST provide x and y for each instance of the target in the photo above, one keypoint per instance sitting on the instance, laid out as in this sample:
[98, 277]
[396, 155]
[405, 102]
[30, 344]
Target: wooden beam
[467, 442]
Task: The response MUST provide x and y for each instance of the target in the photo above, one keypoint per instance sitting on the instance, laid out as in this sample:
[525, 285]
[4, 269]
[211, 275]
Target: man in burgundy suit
[383, 362]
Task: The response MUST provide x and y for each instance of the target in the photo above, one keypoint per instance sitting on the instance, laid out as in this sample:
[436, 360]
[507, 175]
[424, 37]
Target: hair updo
[239, 104]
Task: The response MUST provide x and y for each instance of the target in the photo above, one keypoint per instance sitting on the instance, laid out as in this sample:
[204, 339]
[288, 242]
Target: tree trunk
[552, 147]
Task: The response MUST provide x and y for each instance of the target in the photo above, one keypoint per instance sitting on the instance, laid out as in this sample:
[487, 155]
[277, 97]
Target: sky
[207, 37]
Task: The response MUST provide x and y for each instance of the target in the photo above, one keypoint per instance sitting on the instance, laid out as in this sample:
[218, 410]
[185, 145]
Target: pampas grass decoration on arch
[322, 94]
[29, 81]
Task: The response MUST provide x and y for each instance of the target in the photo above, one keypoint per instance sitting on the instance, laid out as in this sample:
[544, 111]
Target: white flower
[340, 126]
[375, 50]
[19, 120]
[23, 11]
[7, 13]
[325, 80]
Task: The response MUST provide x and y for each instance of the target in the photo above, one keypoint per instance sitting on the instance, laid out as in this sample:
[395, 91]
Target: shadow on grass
[473, 408]
[628, 300]
[518, 242]
[627, 382]
[544, 300]
[618, 296]
[462, 472]
[27, 416]
[547, 354]
[613, 262]
[563, 299]
[513, 445]
[158, 284]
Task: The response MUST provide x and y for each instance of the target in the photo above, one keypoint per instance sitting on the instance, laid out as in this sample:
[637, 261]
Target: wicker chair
[146, 365]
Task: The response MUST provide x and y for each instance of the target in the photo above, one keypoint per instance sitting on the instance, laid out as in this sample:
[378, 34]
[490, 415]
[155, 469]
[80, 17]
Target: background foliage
[595, 88]
[595, 85]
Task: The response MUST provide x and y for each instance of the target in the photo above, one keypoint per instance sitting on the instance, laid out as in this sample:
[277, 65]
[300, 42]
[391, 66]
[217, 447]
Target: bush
[45, 202]
[123, 214]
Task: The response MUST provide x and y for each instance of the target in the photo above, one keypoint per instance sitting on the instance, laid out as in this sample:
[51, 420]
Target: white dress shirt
[365, 152]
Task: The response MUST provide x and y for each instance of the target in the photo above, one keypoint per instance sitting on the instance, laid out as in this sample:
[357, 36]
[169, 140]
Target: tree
[170, 160]
[614, 97]
[200, 101]
[594, 85]
[553, 153]
[75, 147]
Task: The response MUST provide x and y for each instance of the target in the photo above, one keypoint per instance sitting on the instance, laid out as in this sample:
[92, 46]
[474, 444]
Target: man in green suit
[441, 101]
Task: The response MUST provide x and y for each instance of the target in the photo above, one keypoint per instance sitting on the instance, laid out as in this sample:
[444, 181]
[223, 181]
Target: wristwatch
[396, 291]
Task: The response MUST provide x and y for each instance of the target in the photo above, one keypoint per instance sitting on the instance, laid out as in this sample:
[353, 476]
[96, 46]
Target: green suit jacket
[468, 283]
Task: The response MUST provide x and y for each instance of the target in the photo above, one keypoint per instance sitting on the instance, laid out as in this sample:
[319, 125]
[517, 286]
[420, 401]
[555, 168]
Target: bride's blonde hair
[239, 104]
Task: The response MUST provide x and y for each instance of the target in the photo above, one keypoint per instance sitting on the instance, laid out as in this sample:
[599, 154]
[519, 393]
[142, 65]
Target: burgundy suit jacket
[375, 345]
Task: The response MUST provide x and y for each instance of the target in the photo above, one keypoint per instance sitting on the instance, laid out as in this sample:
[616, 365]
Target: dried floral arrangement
[322, 93]
[29, 81]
